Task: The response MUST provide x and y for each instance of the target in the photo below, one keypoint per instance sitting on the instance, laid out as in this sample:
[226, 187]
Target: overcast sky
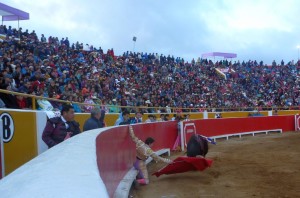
[254, 29]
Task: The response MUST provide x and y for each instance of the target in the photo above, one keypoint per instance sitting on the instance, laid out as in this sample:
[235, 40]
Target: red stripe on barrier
[215, 127]
[115, 155]
[116, 151]
[164, 133]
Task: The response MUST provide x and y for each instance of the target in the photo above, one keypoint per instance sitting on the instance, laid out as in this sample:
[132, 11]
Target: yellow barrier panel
[81, 118]
[289, 112]
[239, 114]
[109, 120]
[19, 136]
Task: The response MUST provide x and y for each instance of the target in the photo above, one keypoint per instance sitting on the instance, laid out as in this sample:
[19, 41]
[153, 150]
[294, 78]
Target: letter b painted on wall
[7, 126]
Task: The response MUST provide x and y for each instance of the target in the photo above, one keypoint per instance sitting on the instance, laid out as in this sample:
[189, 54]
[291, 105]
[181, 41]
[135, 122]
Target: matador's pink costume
[143, 151]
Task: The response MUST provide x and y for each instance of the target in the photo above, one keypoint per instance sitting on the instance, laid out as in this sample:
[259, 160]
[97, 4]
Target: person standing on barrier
[95, 121]
[58, 129]
[143, 152]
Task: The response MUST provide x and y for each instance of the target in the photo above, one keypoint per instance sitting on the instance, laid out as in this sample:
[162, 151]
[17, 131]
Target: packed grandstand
[54, 68]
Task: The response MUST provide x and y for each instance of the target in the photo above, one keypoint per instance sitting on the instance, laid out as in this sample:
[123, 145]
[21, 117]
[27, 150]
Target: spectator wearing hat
[113, 107]
[96, 101]
[150, 108]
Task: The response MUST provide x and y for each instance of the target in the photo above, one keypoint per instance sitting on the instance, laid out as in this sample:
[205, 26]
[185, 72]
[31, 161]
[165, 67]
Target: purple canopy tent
[12, 14]
[221, 54]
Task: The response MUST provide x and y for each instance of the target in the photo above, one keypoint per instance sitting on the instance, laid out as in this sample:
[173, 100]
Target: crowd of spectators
[54, 68]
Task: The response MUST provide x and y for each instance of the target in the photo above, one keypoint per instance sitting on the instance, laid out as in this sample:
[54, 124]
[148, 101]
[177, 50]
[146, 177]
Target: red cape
[184, 164]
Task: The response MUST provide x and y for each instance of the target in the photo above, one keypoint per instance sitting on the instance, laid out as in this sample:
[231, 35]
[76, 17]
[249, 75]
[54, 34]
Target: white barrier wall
[66, 170]
[41, 120]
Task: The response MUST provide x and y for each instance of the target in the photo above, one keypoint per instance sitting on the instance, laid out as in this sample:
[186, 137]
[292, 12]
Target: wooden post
[33, 103]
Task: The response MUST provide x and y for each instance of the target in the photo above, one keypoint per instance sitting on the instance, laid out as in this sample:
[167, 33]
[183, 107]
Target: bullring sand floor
[259, 166]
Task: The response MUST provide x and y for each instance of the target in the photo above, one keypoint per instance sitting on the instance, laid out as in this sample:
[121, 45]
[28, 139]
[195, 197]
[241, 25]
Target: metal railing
[155, 109]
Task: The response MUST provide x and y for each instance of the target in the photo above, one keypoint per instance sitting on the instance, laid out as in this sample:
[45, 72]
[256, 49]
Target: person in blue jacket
[95, 121]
